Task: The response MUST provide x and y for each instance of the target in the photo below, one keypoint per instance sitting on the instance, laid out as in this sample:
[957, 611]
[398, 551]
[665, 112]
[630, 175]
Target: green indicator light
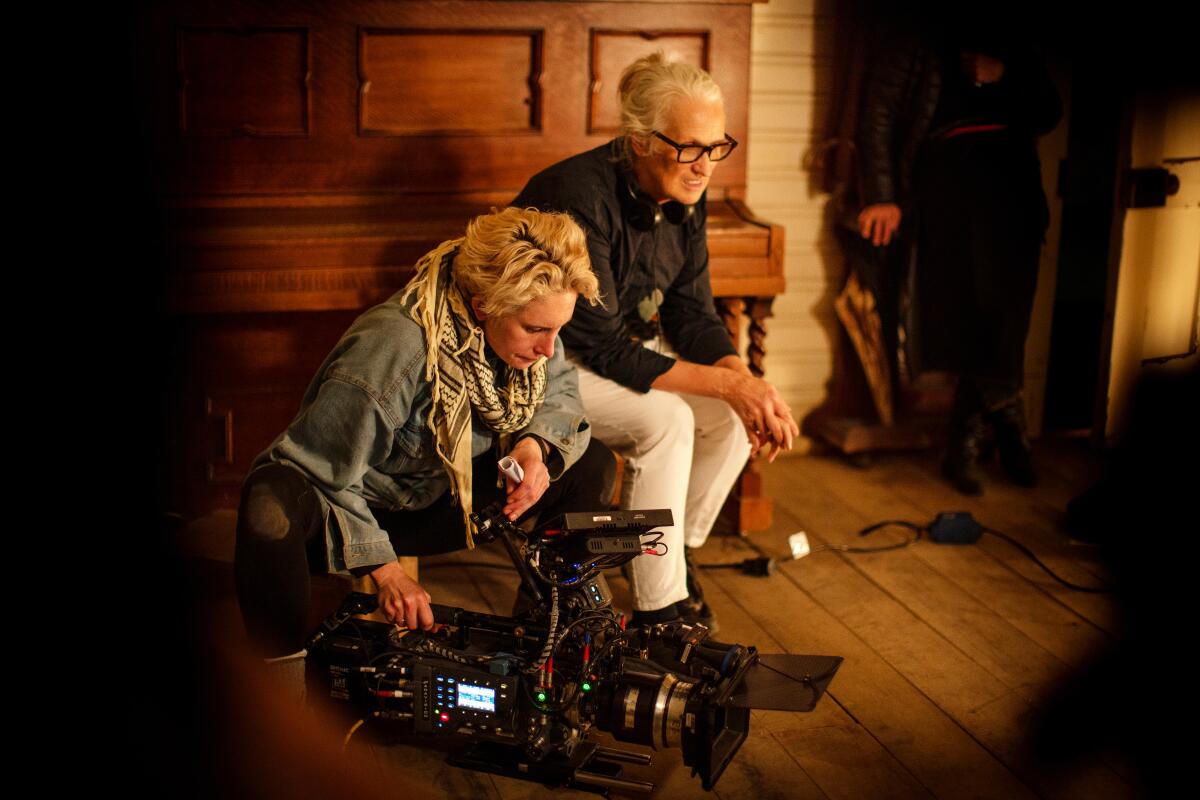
[587, 687]
[541, 697]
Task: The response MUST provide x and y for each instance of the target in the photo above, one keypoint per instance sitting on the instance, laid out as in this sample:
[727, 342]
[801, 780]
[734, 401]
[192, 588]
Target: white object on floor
[798, 541]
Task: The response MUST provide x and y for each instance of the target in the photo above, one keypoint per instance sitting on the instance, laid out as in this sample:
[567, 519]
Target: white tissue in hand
[509, 466]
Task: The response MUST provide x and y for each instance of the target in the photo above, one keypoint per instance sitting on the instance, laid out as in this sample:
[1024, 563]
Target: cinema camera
[522, 694]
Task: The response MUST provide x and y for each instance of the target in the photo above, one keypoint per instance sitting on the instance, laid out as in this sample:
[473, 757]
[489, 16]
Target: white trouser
[682, 452]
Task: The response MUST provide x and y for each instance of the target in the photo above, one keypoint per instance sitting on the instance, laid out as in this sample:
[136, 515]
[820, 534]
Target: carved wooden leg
[756, 509]
[731, 310]
[756, 353]
[747, 509]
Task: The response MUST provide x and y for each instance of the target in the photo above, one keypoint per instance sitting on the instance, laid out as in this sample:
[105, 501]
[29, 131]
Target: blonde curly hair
[512, 257]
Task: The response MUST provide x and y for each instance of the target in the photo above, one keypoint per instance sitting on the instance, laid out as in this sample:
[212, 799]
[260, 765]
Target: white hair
[649, 89]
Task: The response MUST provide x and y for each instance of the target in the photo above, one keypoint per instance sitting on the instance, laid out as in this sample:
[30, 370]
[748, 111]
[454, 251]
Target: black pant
[280, 535]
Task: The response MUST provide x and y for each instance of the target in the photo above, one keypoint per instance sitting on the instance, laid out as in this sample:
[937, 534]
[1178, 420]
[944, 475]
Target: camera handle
[490, 524]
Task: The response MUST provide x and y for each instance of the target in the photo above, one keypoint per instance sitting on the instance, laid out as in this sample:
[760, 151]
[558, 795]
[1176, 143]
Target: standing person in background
[947, 142]
[659, 376]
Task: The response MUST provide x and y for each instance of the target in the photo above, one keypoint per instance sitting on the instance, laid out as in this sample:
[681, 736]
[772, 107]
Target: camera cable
[548, 650]
[353, 730]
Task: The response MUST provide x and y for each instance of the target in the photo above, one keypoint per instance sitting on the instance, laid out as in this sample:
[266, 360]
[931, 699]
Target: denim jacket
[362, 436]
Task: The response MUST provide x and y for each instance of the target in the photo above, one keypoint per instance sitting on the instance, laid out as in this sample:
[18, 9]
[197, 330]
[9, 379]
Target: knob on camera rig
[523, 693]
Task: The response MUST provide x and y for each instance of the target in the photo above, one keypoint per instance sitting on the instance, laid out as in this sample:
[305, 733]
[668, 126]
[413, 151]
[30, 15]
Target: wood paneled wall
[258, 101]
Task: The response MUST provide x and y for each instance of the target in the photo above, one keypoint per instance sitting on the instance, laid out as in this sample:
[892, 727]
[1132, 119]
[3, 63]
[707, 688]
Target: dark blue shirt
[649, 280]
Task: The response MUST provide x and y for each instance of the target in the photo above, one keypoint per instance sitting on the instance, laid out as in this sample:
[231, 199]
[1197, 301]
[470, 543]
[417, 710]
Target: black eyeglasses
[687, 153]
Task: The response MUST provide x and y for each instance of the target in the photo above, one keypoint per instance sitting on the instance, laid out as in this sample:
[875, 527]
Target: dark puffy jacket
[900, 99]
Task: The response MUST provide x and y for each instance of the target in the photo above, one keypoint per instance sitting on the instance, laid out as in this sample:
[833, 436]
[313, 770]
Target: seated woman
[660, 378]
[398, 435]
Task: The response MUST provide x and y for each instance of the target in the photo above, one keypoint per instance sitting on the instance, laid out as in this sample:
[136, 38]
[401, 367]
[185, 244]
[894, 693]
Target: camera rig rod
[491, 524]
[590, 767]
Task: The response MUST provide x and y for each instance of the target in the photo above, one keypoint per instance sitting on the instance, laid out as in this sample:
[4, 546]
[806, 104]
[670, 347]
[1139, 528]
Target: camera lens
[646, 709]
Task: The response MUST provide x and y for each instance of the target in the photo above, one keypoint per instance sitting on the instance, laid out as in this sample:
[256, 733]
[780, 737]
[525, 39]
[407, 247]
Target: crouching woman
[398, 435]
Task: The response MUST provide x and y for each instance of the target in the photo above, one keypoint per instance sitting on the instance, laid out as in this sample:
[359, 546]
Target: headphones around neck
[644, 212]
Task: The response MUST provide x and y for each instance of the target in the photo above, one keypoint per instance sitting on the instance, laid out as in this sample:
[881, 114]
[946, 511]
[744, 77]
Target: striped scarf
[462, 380]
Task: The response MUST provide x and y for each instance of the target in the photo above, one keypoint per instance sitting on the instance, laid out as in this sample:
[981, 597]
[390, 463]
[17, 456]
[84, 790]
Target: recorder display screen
[480, 698]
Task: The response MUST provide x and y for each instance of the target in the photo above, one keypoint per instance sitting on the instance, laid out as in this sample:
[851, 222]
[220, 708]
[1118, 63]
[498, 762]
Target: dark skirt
[980, 217]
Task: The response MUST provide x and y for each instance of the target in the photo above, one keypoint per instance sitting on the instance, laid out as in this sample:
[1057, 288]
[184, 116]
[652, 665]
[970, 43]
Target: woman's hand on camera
[402, 599]
[522, 496]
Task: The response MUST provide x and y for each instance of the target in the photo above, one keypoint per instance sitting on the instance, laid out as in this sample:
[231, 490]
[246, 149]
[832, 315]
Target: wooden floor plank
[995, 715]
[1021, 636]
[1010, 510]
[984, 704]
[1073, 564]
[765, 768]
[1058, 629]
[1036, 517]
[833, 750]
[834, 755]
[991, 712]
[943, 757]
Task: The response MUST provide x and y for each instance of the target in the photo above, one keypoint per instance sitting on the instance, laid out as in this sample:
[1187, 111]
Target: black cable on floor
[1047, 570]
[902, 523]
[957, 527]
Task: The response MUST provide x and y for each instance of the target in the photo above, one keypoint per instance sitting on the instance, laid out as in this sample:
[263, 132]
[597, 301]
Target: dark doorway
[1087, 186]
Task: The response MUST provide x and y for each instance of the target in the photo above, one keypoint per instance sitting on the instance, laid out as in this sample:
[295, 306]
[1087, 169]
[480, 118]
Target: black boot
[1016, 455]
[967, 433]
